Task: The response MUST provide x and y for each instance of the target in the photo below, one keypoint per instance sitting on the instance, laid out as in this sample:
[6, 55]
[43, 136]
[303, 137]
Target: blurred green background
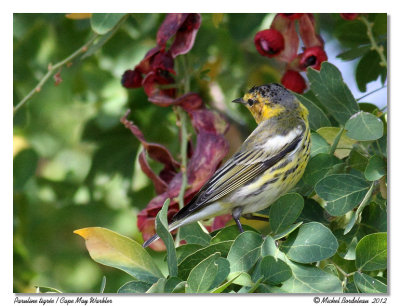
[76, 166]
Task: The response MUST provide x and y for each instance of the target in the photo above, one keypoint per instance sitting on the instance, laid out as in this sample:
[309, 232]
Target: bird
[269, 163]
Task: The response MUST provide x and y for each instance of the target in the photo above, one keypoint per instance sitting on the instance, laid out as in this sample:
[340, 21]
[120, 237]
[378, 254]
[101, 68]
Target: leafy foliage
[76, 166]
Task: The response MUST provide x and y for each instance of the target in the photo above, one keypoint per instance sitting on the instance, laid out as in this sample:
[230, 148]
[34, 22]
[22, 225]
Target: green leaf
[359, 210]
[240, 278]
[274, 270]
[158, 287]
[225, 285]
[364, 127]
[368, 107]
[285, 211]
[328, 86]
[368, 69]
[371, 252]
[24, 167]
[318, 145]
[380, 146]
[163, 285]
[318, 167]
[345, 144]
[310, 279]
[341, 192]
[286, 231]
[245, 251]
[374, 218]
[180, 288]
[202, 276]
[312, 211]
[171, 284]
[165, 235]
[269, 248]
[330, 268]
[195, 234]
[351, 288]
[134, 287]
[185, 250]
[191, 261]
[117, 251]
[357, 161]
[230, 233]
[316, 117]
[43, 289]
[103, 284]
[102, 23]
[352, 33]
[354, 53]
[313, 242]
[368, 284]
[99, 43]
[223, 271]
[376, 168]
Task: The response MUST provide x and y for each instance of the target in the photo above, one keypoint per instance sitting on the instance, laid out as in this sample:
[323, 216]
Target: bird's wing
[243, 167]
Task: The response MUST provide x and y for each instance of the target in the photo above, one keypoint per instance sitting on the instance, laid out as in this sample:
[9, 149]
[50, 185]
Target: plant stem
[52, 69]
[374, 46]
[184, 136]
[344, 273]
[336, 141]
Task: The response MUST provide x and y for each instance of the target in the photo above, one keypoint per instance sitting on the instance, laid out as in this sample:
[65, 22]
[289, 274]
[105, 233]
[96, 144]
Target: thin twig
[370, 93]
[51, 70]
[374, 45]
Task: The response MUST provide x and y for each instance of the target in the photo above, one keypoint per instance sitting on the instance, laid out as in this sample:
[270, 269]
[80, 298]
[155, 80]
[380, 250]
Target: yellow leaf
[217, 19]
[345, 143]
[112, 249]
[78, 16]
[19, 143]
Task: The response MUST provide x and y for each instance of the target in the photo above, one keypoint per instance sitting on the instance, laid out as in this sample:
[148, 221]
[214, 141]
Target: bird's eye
[250, 101]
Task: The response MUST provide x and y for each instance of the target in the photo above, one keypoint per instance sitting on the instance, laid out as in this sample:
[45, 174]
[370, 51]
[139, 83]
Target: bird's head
[268, 101]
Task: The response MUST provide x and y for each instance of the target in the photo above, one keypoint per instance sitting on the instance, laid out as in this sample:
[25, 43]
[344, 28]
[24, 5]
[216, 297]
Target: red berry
[294, 81]
[349, 16]
[312, 57]
[269, 42]
[132, 79]
[291, 16]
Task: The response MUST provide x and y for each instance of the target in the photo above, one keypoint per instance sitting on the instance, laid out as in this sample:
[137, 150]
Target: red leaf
[159, 184]
[189, 101]
[152, 82]
[156, 151]
[145, 65]
[186, 35]
[288, 30]
[211, 148]
[169, 27]
[184, 27]
[162, 61]
[307, 32]
[132, 78]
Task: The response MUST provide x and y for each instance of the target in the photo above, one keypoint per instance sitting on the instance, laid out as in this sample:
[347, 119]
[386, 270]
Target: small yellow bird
[269, 163]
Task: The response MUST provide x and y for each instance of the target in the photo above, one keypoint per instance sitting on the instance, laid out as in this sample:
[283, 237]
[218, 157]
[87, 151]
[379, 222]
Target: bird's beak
[239, 100]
